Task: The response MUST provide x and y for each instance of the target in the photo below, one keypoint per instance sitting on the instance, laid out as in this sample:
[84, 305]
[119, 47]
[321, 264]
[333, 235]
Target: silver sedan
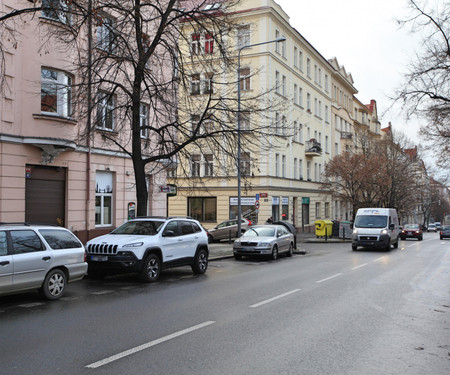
[268, 240]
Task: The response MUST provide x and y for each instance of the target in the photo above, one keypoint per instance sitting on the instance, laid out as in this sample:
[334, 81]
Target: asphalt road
[331, 311]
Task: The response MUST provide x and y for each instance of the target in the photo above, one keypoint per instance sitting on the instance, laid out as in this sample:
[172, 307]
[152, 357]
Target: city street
[330, 311]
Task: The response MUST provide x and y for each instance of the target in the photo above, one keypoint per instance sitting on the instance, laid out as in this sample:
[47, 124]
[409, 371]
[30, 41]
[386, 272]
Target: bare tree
[426, 89]
[156, 80]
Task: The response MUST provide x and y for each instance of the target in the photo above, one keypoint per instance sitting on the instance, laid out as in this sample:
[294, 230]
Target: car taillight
[249, 223]
[85, 256]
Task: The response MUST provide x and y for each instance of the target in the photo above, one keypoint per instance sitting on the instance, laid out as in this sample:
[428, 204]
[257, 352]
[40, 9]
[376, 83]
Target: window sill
[55, 118]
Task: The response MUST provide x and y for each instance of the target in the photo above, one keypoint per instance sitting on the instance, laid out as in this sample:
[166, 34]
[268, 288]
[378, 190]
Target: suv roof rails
[150, 217]
[181, 217]
[25, 223]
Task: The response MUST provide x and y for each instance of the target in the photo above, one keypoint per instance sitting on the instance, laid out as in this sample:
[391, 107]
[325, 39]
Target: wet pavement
[224, 249]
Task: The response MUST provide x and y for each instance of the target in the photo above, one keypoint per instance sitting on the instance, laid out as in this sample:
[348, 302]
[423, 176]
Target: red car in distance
[411, 231]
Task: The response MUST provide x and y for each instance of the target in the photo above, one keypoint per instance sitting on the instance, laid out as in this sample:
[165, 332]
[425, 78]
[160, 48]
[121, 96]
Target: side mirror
[392, 226]
[169, 233]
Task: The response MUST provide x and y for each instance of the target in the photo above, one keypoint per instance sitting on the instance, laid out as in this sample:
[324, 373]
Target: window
[283, 166]
[295, 57]
[202, 209]
[326, 144]
[243, 36]
[244, 79]
[195, 125]
[277, 123]
[209, 43]
[3, 244]
[103, 198]
[316, 110]
[308, 102]
[277, 82]
[25, 241]
[209, 165]
[308, 170]
[295, 169]
[317, 210]
[195, 44]
[327, 209]
[308, 67]
[300, 133]
[283, 86]
[316, 174]
[315, 73]
[320, 108]
[105, 33]
[57, 10]
[283, 48]
[245, 164]
[277, 165]
[300, 168]
[295, 138]
[320, 77]
[277, 45]
[295, 94]
[208, 83]
[300, 97]
[56, 93]
[326, 82]
[105, 111]
[327, 117]
[300, 60]
[283, 125]
[195, 165]
[245, 121]
[195, 84]
[143, 120]
[60, 239]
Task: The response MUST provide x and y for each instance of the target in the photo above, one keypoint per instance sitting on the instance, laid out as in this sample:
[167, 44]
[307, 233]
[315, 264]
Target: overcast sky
[366, 39]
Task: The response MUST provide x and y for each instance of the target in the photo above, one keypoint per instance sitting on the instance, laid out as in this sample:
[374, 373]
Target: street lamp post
[239, 218]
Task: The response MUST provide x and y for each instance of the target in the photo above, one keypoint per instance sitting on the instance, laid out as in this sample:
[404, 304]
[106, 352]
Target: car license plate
[99, 258]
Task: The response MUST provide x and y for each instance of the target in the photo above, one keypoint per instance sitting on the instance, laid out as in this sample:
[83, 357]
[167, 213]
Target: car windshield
[260, 231]
[446, 227]
[431, 226]
[411, 226]
[371, 221]
[149, 228]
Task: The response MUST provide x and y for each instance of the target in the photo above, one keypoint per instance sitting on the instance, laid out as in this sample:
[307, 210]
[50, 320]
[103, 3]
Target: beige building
[49, 173]
[283, 171]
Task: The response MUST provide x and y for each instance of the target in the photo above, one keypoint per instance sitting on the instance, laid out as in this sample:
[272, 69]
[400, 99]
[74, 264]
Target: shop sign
[305, 200]
[275, 201]
[245, 201]
[285, 201]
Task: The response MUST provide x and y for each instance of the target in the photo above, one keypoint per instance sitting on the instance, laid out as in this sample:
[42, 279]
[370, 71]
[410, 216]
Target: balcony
[313, 148]
[346, 135]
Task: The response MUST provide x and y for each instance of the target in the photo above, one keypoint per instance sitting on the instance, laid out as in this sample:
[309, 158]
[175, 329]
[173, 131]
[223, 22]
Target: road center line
[328, 278]
[361, 265]
[274, 298]
[379, 259]
[148, 345]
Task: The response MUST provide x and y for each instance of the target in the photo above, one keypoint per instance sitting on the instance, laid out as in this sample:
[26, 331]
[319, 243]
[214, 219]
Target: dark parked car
[226, 229]
[411, 231]
[445, 232]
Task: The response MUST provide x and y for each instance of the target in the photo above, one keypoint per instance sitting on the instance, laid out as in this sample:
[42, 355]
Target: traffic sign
[257, 204]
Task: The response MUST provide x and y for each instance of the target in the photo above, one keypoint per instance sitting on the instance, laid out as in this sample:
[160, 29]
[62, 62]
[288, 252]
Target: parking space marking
[361, 265]
[147, 345]
[275, 298]
[329, 278]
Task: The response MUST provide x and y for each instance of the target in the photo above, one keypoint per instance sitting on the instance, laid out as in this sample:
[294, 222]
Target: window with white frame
[208, 165]
[243, 36]
[283, 166]
[106, 104]
[283, 125]
[244, 79]
[277, 123]
[143, 120]
[283, 48]
[327, 116]
[195, 84]
[295, 169]
[300, 60]
[295, 57]
[308, 102]
[326, 82]
[326, 144]
[195, 165]
[320, 77]
[195, 44]
[295, 131]
[56, 92]
[300, 168]
[327, 209]
[57, 10]
[316, 175]
[106, 38]
[316, 111]
[308, 170]
[320, 108]
[317, 210]
[245, 118]
[245, 164]
[300, 133]
[300, 97]
[209, 43]
[103, 198]
[315, 73]
[283, 86]
[295, 94]
[277, 82]
[277, 45]
[208, 87]
[308, 67]
[277, 165]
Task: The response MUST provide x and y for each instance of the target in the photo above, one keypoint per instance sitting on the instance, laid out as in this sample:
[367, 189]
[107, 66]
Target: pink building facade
[49, 173]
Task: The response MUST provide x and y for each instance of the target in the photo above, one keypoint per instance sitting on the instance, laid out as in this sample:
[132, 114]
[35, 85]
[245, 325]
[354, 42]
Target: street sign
[257, 204]
[263, 195]
[170, 189]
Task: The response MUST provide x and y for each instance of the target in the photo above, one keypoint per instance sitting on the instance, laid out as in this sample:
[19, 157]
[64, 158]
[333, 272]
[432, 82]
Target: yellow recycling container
[324, 228]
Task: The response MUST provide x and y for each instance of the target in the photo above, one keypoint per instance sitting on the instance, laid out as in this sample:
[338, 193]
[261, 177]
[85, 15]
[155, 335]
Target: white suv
[148, 245]
[39, 257]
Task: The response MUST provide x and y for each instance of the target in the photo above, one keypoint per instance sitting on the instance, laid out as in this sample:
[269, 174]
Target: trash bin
[335, 232]
[324, 228]
[345, 230]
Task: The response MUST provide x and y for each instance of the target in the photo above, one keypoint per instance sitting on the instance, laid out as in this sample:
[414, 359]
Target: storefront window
[103, 198]
[275, 208]
[248, 209]
[203, 209]
[285, 208]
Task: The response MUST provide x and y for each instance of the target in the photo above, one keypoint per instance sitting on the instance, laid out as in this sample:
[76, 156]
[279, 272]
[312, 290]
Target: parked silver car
[268, 240]
[227, 229]
[39, 257]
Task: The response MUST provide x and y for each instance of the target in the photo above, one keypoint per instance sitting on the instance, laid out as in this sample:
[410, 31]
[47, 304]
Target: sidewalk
[222, 250]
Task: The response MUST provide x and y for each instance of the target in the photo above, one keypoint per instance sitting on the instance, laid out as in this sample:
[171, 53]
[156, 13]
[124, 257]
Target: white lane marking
[148, 345]
[328, 278]
[274, 298]
[379, 259]
[361, 265]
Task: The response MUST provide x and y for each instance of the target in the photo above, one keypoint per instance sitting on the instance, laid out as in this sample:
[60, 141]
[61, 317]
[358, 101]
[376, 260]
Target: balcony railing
[313, 148]
[346, 135]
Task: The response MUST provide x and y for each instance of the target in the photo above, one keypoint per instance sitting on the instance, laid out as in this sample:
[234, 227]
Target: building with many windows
[50, 172]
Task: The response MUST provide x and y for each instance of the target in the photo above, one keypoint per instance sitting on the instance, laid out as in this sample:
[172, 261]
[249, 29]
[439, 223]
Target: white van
[375, 227]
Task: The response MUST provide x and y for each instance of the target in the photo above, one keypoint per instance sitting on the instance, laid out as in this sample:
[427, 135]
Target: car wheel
[291, 250]
[275, 253]
[354, 247]
[200, 262]
[395, 245]
[420, 238]
[151, 269]
[54, 284]
[442, 238]
[237, 256]
[402, 238]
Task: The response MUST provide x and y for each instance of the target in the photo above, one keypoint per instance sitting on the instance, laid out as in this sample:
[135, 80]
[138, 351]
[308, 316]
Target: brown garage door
[45, 194]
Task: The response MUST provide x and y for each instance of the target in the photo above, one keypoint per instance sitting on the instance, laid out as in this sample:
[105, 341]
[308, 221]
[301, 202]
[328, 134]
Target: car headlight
[384, 231]
[355, 231]
[134, 244]
[264, 244]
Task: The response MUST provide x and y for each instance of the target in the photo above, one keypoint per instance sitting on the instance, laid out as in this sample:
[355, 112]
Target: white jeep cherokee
[148, 245]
